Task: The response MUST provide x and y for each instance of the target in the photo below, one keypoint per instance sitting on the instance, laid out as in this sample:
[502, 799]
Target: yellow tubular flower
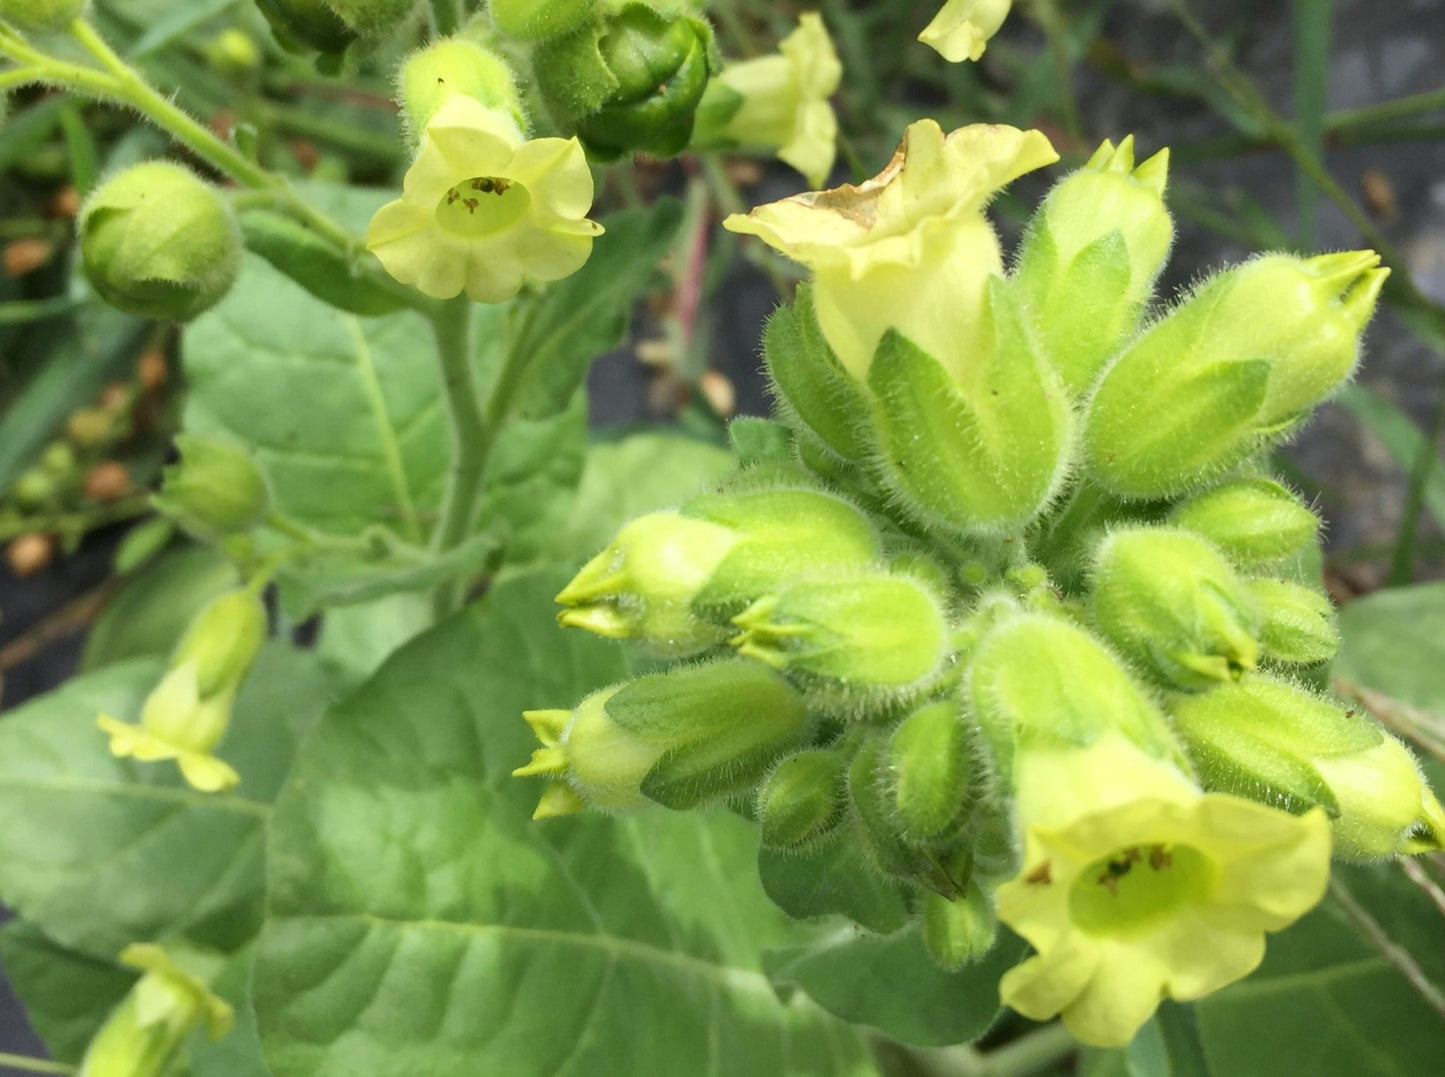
[960, 31]
[785, 100]
[909, 249]
[1136, 886]
[484, 210]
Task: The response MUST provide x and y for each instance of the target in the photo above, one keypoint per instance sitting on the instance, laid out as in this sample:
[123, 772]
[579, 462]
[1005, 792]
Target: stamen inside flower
[1136, 886]
[482, 206]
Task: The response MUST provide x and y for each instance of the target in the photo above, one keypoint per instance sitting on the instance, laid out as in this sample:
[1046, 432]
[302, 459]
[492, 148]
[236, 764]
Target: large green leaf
[99, 852]
[346, 416]
[420, 922]
[1394, 642]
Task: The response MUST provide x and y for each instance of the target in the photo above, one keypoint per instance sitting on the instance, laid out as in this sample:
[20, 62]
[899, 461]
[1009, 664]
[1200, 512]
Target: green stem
[33, 1065]
[473, 433]
[1026, 1055]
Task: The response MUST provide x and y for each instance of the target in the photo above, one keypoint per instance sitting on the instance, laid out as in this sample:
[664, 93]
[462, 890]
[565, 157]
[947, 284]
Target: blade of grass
[1313, 30]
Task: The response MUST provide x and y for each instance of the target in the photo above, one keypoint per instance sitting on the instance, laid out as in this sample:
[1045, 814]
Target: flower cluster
[1020, 570]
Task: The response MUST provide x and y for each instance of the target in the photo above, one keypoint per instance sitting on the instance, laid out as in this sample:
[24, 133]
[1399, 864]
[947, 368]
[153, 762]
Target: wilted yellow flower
[1137, 887]
[783, 101]
[483, 209]
[961, 29]
[909, 249]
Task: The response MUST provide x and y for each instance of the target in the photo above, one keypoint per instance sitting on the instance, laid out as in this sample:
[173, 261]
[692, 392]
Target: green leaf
[890, 982]
[67, 994]
[836, 877]
[625, 479]
[1394, 642]
[99, 852]
[420, 922]
[146, 617]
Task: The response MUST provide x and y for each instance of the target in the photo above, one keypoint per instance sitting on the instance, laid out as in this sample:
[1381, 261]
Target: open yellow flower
[1136, 886]
[784, 101]
[961, 29]
[484, 210]
[909, 249]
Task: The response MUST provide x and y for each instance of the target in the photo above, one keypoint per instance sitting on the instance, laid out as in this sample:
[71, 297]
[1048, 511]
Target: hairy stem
[472, 435]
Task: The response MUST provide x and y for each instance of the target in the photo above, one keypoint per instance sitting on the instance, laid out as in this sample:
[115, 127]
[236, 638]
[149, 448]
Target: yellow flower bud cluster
[1003, 610]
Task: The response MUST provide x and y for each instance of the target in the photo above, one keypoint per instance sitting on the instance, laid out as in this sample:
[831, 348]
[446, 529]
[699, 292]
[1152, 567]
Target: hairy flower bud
[1299, 622]
[1273, 741]
[873, 808]
[455, 65]
[41, 14]
[1090, 258]
[1254, 521]
[538, 20]
[957, 931]
[854, 642]
[931, 771]
[157, 241]
[215, 490]
[1173, 605]
[630, 81]
[1235, 364]
[801, 801]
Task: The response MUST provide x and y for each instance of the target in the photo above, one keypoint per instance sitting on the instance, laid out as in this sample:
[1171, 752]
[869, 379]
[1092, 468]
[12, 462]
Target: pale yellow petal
[962, 28]
[1040, 987]
[206, 773]
[813, 147]
[474, 140]
[1124, 991]
[555, 173]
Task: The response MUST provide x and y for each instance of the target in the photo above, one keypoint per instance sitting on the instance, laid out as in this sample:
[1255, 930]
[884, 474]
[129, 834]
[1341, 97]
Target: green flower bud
[642, 586]
[1173, 605]
[158, 242]
[1254, 521]
[932, 771]
[679, 738]
[1091, 256]
[1039, 680]
[783, 533]
[233, 52]
[960, 930]
[35, 488]
[854, 642]
[303, 25]
[1274, 742]
[145, 1031]
[215, 490]
[981, 446]
[873, 808]
[539, 20]
[59, 461]
[455, 66]
[802, 800]
[41, 14]
[1299, 622]
[222, 641]
[629, 82]
[1232, 366]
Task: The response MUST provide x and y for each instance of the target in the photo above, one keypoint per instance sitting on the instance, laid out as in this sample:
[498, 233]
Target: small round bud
[22, 256]
[931, 769]
[233, 52]
[41, 14]
[30, 553]
[158, 242]
[91, 428]
[107, 481]
[35, 488]
[1299, 623]
[1254, 521]
[455, 66]
[215, 490]
[959, 930]
[628, 83]
[802, 800]
[59, 461]
[539, 20]
[1173, 605]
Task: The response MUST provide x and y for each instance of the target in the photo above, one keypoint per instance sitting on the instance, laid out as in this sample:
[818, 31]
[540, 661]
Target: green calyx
[630, 81]
[455, 65]
[215, 490]
[157, 241]
[540, 20]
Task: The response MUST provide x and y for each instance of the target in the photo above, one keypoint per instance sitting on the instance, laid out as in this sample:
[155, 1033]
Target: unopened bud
[1091, 256]
[30, 553]
[456, 66]
[1254, 521]
[960, 930]
[801, 801]
[91, 428]
[35, 488]
[874, 810]
[1272, 741]
[630, 82]
[1173, 605]
[591, 759]
[59, 461]
[233, 52]
[215, 490]
[855, 642]
[159, 242]
[22, 256]
[107, 481]
[1299, 622]
[931, 771]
